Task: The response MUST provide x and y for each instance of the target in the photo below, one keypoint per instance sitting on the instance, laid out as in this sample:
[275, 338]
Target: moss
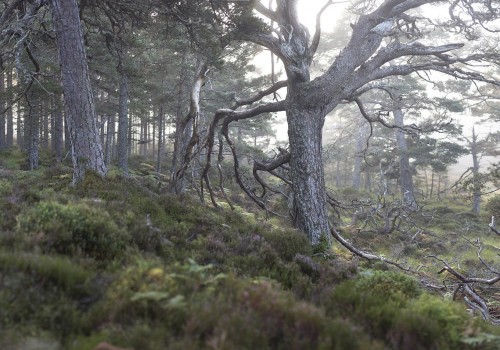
[73, 228]
[375, 296]
[288, 243]
[429, 322]
[42, 292]
[195, 277]
[58, 270]
[6, 187]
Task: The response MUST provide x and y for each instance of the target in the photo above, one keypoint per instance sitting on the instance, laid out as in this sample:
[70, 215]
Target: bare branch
[493, 226]
[261, 94]
[362, 254]
[263, 10]
[461, 277]
[317, 33]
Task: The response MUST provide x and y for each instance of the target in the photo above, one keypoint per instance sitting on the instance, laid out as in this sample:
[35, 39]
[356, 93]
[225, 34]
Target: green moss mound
[72, 229]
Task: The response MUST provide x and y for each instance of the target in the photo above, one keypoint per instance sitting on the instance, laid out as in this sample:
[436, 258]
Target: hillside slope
[119, 261]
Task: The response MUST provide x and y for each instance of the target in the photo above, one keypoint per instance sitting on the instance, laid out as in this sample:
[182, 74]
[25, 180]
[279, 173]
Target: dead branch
[363, 254]
[493, 227]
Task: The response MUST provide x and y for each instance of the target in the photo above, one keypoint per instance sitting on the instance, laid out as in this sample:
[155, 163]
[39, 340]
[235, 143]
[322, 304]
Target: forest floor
[119, 261]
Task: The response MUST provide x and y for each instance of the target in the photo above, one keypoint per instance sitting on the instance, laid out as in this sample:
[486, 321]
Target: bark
[20, 128]
[129, 139]
[110, 135]
[161, 139]
[122, 144]
[32, 131]
[180, 133]
[476, 190]
[308, 184]
[86, 149]
[46, 120]
[10, 112]
[3, 140]
[405, 176]
[67, 138]
[153, 137]
[58, 131]
[359, 156]
[186, 130]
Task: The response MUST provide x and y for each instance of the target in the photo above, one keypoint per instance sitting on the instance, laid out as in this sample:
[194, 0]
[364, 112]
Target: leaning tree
[389, 38]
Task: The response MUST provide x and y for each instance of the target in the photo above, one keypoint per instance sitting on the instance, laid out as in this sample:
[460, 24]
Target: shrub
[492, 207]
[429, 322]
[74, 228]
[5, 187]
[288, 244]
[375, 297]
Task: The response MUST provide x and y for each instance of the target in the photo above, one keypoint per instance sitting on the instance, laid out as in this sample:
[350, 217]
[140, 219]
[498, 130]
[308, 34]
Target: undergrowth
[119, 260]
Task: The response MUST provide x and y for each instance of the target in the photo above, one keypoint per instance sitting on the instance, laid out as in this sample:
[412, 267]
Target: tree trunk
[338, 175]
[86, 149]
[3, 141]
[186, 130]
[45, 123]
[32, 132]
[153, 137]
[129, 133]
[306, 164]
[368, 180]
[10, 112]
[405, 176]
[476, 191]
[110, 132]
[123, 127]
[20, 123]
[359, 156]
[58, 131]
[431, 192]
[161, 141]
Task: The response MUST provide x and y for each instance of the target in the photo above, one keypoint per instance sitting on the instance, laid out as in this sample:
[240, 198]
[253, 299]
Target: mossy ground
[118, 260]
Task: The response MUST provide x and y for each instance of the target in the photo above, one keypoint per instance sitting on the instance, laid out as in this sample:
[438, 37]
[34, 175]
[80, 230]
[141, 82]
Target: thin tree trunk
[153, 137]
[439, 187]
[45, 123]
[33, 130]
[130, 134]
[368, 180]
[405, 176]
[359, 156]
[10, 112]
[338, 176]
[161, 143]
[110, 132]
[123, 126]
[3, 140]
[431, 192]
[476, 191]
[86, 149]
[426, 184]
[58, 129]
[20, 123]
